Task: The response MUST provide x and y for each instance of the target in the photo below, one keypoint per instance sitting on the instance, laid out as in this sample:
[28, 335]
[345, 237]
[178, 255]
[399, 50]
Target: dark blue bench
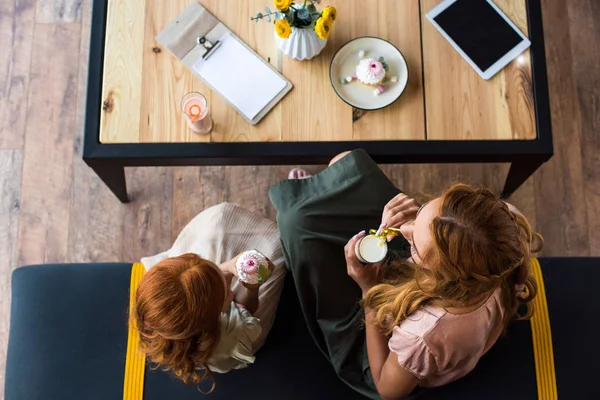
[68, 337]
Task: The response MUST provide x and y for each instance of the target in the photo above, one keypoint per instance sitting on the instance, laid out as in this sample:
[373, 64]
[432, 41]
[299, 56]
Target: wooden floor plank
[147, 218]
[585, 42]
[84, 52]
[16, 38]
[50, 134]
[560, 202]
[196, 189]
[95, 223]
[56, 11]
[11, 163]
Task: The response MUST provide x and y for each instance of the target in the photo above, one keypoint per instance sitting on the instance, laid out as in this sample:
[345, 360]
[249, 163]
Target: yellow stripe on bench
[542, 340]
[135, 363]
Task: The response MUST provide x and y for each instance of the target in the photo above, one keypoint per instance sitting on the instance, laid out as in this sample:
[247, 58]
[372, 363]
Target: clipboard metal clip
[202, 41]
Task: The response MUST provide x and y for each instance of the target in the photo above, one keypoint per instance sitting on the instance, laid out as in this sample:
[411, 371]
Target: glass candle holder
[195, 109]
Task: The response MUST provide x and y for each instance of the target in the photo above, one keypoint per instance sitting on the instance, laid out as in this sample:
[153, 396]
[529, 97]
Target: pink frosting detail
[377, 67]
[249, 264]
[381, 88]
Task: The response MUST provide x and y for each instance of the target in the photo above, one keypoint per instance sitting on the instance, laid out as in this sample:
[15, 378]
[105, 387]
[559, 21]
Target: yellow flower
[283, 5]
[283, 28]
[323, 28]
[330, 13]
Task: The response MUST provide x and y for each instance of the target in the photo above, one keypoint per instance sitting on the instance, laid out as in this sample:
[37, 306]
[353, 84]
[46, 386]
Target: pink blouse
[439, 347]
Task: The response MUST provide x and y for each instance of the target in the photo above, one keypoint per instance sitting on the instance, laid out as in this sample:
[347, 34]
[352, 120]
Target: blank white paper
[240, 76]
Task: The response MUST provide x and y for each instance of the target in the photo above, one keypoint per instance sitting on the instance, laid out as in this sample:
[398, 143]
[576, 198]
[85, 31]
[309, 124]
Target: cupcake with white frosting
[253, 267]
[371, 71]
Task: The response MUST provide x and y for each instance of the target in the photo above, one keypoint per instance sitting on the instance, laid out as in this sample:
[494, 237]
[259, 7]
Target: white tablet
[480, 32]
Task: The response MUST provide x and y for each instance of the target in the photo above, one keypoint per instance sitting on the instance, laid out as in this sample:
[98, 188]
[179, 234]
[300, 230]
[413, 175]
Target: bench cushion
[68, 338]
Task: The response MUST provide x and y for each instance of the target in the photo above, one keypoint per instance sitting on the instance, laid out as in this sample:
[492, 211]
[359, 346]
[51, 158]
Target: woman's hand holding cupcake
[253, 268]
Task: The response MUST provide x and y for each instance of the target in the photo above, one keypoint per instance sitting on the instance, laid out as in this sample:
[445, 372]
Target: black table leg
[113, 175]
[519, 172]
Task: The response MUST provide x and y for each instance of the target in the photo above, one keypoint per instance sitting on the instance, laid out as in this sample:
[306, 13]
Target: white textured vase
[303, 44]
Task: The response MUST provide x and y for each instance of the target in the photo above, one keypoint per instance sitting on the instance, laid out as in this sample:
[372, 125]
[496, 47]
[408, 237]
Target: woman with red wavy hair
[193, 315]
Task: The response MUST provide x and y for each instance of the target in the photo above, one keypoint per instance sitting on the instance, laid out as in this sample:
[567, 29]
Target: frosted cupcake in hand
[253, 268]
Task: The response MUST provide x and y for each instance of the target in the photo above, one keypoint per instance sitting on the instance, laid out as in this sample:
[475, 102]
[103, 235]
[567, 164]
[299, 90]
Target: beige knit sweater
[224, 231]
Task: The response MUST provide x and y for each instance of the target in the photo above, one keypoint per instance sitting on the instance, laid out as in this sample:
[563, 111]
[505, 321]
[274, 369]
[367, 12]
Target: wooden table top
[445, 98]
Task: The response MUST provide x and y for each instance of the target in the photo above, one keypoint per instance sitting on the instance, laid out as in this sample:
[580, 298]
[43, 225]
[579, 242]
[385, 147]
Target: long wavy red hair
[178, 306]
[478, 245]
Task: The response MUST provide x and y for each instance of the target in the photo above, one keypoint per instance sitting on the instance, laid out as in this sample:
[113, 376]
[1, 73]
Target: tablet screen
[478, 29]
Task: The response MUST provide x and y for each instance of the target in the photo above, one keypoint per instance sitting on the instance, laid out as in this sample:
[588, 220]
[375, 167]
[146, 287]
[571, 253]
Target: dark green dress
[316, 218]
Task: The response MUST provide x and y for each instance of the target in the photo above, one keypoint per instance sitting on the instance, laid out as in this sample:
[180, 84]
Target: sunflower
[323, 28]
[283, 5]
[283, 28]
[330, 13]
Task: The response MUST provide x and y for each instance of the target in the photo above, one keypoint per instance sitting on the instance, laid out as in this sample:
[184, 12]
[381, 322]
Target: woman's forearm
[377, 346]
[247, 297]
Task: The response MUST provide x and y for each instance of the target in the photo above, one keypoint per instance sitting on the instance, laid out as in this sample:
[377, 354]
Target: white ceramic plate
[361, 96]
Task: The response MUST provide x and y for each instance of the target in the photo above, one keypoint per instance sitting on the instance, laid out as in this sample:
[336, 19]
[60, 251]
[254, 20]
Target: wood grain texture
[559, 184]
[147, 219]
[312, 111]
[122, 79]
[11, 164]
[208, 186]
[398, 22]
[50, 134]
[164, 81]
[84, 53]
[16, 38]
[460, 104]
[95, 230]
[585, 42]
[142, 92]
[56, 11]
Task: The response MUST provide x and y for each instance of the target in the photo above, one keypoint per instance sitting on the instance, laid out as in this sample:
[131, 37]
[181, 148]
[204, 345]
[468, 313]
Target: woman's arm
[247, 297]
[391, 380]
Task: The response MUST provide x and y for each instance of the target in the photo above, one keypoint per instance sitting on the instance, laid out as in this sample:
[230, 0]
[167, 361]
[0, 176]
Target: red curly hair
[177, 309]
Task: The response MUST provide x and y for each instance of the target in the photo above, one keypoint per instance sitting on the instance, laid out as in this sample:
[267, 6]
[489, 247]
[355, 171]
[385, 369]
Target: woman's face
[417, 232]
[227, 277]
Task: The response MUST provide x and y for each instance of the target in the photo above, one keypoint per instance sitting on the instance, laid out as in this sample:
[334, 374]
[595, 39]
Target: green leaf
[290, 17]
[311, 8]
[263, 273]
[259, 15]
[268, 15]
[303, 14]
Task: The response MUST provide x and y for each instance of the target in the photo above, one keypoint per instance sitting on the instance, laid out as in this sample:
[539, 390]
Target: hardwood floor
[53, 208]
